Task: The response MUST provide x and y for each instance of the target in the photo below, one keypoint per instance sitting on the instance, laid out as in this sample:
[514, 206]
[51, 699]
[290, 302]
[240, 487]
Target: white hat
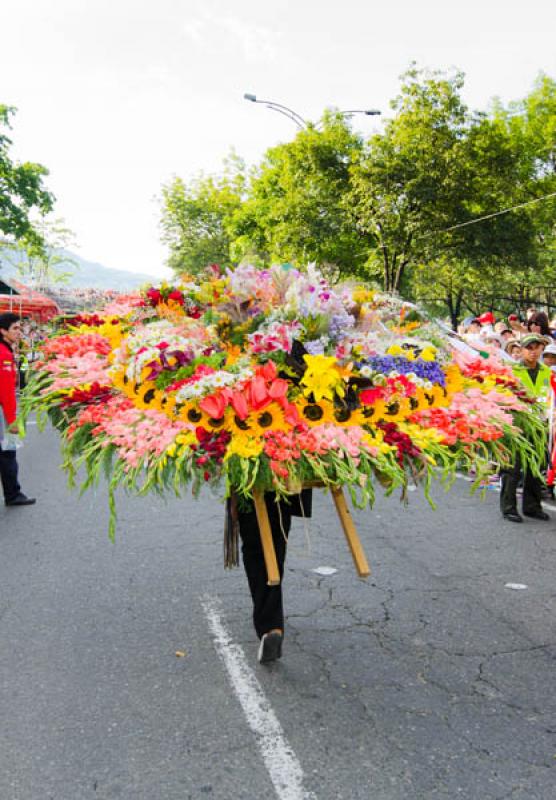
[550, 349]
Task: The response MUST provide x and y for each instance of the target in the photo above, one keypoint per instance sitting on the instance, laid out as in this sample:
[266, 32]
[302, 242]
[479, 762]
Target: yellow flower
[396, 350]
[362, 295]
[454, 379]
[191, 413]
[244, 445]
[315, 413]
[322, 378]
[428, 353]
[396, 409]
[376, 440]
[269, 418]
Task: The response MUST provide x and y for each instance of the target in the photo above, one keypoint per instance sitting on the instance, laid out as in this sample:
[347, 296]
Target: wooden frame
[346, 521]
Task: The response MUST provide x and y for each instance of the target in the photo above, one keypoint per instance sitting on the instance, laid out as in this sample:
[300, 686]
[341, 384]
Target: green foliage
[44, 262]
[405, 207]
[294, 210]
[21, 189]
[196, 215]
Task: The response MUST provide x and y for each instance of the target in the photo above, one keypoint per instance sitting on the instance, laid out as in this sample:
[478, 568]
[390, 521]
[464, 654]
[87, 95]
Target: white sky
[116, 96]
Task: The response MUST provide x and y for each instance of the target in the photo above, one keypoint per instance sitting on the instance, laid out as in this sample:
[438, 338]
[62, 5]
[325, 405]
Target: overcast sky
[117, 96]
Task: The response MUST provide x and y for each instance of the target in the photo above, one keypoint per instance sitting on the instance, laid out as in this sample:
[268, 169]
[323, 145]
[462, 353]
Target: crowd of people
[507, 334]
[530, 344]
[74, 299]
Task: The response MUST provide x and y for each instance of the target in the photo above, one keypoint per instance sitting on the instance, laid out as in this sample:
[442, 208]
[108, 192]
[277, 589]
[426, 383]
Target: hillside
[91, 275]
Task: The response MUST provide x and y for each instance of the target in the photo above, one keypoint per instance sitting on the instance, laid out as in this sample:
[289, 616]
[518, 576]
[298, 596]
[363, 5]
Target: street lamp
[297, 118]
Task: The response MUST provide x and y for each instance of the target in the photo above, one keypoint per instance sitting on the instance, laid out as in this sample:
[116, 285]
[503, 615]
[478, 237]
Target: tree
[196, 217]
[510, 257]
[21, 189]
[46, 263]
[294, 209]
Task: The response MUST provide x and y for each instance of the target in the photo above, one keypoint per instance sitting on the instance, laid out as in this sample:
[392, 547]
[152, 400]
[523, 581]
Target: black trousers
[8, 474]
[532, 491]
[268, 611]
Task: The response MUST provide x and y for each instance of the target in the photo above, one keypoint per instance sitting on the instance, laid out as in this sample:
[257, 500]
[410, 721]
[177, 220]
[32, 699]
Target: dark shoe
[270, 647]
[21, 500]
[537, 515]
[513, 516]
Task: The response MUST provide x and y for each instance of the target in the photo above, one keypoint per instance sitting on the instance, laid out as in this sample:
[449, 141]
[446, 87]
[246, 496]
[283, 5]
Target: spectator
[538, 323]
[516, 325]
[10, 334]
[506, 335]
[529, 313]
[535, 376]
[549, 356]
[513, 349]
[492, 339]
[487, 322]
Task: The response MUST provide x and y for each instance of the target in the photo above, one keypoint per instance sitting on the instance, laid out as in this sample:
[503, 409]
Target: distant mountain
[90, 275]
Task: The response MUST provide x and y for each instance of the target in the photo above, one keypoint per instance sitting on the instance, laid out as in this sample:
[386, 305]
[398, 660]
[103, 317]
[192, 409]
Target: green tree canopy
[21, 189]
[196, 217]
[295, 207]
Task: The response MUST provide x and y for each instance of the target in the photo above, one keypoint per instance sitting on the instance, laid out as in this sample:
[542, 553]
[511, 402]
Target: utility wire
[469, 222]
[489, 216]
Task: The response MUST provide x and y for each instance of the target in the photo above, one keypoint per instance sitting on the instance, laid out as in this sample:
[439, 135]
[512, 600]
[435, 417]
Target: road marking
[279, 758]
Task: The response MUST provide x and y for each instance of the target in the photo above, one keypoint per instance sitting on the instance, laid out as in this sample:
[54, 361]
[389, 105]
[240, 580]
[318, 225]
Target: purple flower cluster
[427, 370]
[340, 325]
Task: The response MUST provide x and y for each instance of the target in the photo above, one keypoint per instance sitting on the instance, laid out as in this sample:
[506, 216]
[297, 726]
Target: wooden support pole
[273, 575]
[354, 543]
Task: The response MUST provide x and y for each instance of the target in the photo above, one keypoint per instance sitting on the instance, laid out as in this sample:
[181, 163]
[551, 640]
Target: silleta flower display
[269, 380]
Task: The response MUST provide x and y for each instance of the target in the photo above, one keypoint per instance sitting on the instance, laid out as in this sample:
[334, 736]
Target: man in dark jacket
[10, 334]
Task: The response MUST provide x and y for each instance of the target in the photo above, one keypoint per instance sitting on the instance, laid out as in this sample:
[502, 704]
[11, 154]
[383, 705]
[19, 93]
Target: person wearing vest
[535, 376]
[10, 334]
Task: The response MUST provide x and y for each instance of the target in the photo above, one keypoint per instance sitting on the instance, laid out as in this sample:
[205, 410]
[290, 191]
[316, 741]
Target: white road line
[280, 760]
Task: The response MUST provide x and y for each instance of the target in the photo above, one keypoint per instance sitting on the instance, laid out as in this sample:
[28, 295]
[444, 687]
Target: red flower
[177, 296]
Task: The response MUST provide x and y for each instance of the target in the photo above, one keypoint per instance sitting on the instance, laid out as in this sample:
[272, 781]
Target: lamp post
[297, 118]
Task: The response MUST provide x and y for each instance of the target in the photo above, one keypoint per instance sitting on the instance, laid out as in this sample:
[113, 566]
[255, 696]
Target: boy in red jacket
[10, 334]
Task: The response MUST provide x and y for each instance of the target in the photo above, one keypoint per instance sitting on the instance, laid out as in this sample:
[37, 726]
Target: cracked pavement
[428, 680]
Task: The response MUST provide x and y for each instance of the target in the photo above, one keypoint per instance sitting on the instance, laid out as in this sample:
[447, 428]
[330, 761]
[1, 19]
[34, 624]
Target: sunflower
[315, 413]
[270, 418]
[234, 424]
[192, 414]
[418, 401]
[369, 415]
[345, 416]
[119, 380]
[144, 394]
[396, 409]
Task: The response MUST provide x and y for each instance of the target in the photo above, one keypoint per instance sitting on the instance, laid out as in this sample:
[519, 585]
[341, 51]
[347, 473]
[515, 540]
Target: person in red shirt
[10, 334]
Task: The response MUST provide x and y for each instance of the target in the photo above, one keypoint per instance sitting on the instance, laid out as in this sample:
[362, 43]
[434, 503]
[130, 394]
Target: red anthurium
[278, 389]
[214, 405]
[370, 396]
[268, 371]
[239, 404]
[291, 414]
[258, 395]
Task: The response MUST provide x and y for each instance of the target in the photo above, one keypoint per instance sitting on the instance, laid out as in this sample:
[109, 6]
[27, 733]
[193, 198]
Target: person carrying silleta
[10, 334]
[535, 376]
[268, 609]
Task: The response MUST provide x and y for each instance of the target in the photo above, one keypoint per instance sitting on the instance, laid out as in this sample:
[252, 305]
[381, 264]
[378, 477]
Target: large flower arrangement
[269, 380]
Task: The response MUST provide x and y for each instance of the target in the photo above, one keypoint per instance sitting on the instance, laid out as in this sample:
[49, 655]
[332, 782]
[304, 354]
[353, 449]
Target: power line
[469, 222]
[490, 216]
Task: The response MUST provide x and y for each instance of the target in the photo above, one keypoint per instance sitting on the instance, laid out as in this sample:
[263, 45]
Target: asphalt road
[429, 680]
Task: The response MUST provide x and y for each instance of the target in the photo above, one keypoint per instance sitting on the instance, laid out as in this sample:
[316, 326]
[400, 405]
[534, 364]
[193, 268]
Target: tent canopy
[16, 297]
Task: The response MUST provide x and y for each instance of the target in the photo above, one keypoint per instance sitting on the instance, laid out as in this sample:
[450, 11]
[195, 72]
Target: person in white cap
[549, 356]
